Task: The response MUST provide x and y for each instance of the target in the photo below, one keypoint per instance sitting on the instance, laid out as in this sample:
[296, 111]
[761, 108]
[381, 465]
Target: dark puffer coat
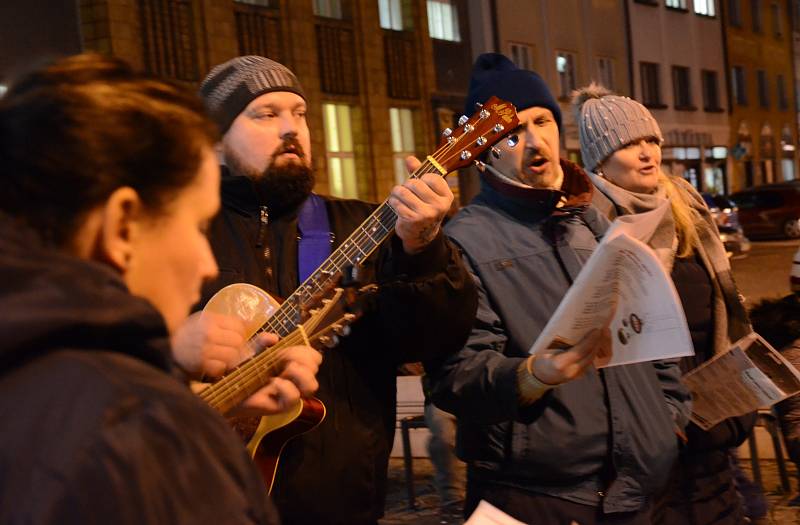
[96, 429]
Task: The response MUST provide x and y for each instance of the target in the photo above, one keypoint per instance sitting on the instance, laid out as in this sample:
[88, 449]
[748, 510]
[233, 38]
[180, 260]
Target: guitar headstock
[336, 313]
[474, 135]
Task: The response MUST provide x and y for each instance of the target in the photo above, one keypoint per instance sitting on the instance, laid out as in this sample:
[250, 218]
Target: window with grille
[735, 13]
[565, 68]
[328, 8]
[755, 15]
[681, 87]
[443, 20]
[651, 89]
[391, 14]
[401, 121]
[763, 88]
[783, 101]
[738, 86]
[521, 55]
[777, 22]
[605, 72]
[258, 29]
[338, 125]
[710, 91]
[168, 38]
[705, 7]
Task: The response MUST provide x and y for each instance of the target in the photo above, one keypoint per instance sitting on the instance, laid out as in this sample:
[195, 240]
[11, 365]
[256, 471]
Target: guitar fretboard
[364, 240]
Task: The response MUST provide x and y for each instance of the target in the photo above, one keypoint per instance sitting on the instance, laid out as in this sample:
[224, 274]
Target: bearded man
[273, 232]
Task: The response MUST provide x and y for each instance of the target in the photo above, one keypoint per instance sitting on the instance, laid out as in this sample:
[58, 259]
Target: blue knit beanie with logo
[495, 75]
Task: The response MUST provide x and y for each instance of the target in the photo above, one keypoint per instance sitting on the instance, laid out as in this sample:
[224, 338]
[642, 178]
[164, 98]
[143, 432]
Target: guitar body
[265, 436]
[275, 431]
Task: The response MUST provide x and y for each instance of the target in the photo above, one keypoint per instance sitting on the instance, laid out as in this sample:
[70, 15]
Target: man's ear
[119, 224]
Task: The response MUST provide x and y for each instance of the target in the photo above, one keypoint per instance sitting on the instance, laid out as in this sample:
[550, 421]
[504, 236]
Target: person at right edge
[547, 438]
[621, 149]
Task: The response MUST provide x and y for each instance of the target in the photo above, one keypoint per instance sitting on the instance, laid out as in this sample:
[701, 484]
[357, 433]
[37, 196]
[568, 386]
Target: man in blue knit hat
[548, 438]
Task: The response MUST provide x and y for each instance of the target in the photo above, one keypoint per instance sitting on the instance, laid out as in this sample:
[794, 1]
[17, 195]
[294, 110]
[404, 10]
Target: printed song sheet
[749, 376]
[623, 285]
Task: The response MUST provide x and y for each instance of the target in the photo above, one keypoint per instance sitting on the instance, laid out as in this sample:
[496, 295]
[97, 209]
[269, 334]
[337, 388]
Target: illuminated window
[339, 150]
[328, 8]
[443, 20]
[391, 14]
[402, 124]
[565, 67]
[705, 7]
[676, 4]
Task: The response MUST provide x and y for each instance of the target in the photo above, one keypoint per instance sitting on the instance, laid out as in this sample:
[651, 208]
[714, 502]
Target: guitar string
[234, 383]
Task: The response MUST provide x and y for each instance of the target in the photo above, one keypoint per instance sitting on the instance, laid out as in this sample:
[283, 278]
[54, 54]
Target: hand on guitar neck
[421, 204]
[208, 345]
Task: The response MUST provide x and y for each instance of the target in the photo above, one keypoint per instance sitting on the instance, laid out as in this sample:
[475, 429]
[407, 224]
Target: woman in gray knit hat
[621, 149]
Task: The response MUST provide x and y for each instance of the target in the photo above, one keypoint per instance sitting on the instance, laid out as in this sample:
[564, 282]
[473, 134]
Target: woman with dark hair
[621, 150]
[108, 181]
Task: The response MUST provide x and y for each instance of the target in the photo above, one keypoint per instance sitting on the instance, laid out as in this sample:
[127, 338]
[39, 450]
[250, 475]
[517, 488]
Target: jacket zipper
[262, 240]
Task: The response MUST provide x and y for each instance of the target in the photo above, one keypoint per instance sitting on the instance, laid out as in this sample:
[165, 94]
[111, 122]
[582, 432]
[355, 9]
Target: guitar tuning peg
[495, 152]
[484, 114]
[326, 341]
[478, 105]
[313, 311]
[469, 128]
[512, 140]
[326, 301]
[349, 317]
[498, 128]
[337, 329]
[463, 120]
[447, 132]
[481, 141]
[480, 164]
[451, 140]
[466, 155]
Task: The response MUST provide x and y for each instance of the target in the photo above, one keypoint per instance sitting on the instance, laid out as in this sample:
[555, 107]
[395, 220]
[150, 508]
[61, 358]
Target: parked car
[770, 210]
[725, 214]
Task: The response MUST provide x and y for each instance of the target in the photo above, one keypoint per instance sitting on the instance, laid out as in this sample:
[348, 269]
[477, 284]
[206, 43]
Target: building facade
[570, 43]
[381, 76]
[763, 116]
[677, 62]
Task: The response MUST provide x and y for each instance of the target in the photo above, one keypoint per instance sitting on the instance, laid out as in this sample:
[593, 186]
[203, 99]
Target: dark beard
[282, 189]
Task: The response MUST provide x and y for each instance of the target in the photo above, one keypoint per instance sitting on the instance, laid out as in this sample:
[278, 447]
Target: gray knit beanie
[607, 122]
[231, 86]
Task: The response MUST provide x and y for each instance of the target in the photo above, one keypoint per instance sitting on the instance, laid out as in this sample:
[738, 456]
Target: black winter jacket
[336, 473]
[96, 429]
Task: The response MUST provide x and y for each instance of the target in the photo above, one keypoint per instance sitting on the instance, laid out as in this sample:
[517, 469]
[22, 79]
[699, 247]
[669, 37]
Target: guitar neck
[364, 240]
[243, 382]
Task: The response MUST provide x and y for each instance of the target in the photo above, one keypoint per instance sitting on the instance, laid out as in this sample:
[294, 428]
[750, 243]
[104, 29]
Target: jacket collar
[530, 203]
[238, 193]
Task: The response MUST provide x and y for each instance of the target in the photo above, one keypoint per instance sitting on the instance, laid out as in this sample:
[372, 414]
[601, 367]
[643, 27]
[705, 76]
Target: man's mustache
[289, 145]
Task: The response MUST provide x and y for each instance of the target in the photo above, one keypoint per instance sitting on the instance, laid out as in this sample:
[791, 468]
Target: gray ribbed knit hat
[606, 122]
[231, 86]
